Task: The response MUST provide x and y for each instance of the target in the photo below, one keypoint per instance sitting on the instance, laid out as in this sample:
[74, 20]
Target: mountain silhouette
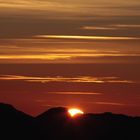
[15, 124]
[56, 124]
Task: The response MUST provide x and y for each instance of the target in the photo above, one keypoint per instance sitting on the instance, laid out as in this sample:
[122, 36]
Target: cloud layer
[70, 49]
[80, 79]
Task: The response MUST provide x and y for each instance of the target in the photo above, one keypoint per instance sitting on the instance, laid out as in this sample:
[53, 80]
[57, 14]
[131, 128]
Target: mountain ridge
[56, 123]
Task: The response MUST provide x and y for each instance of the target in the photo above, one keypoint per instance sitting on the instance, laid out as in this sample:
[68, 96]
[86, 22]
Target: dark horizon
[56, 123]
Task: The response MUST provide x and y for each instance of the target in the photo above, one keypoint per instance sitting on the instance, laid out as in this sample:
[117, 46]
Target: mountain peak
[8, 112]
[4, 106]
[53, 113]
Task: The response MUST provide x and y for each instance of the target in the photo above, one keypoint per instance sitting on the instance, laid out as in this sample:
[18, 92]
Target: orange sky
[70, 53]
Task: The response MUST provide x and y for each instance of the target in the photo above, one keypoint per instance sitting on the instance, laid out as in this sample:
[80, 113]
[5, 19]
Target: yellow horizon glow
[75, 111]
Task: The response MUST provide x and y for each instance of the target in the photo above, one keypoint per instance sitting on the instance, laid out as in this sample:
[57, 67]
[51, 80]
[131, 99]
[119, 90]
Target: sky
[74, 53]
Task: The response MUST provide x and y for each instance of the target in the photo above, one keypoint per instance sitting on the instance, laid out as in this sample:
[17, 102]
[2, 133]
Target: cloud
[52, 57]
[127, 25]
[32, 5]
[34, 57]
[78, 79]
[87, 37]
[97, 28]
[110, 103]
[62, 8]
[74, 93]
[111, 27]
[64, 51]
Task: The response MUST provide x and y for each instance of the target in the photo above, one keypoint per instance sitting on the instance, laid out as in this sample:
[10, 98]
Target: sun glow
[74, 111]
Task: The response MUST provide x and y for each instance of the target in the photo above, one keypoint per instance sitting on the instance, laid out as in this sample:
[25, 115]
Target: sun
[75, 111]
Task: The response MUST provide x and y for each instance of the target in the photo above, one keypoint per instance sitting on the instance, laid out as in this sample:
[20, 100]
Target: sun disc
[74, 111]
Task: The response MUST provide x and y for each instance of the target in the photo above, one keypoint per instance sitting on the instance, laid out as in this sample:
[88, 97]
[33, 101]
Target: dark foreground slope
[15, 124]
[56, 124]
